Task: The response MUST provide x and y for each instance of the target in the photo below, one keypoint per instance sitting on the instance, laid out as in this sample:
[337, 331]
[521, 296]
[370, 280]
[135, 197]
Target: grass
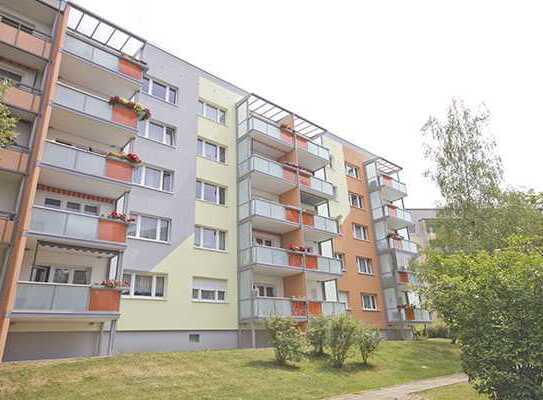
[223, 375]
[462, 391]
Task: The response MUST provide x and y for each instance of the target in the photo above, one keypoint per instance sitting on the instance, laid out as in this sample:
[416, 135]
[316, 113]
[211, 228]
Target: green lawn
[462, 391]
[219, 375]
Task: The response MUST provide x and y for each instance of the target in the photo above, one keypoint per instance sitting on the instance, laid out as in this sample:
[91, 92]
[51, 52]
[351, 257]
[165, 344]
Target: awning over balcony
[73, 249]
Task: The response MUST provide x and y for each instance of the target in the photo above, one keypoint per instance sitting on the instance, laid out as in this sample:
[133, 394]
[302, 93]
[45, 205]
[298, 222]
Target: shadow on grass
[348, 368]
[271, 364]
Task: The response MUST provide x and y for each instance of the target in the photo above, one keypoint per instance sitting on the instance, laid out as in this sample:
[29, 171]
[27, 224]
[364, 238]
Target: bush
[317, 333]
[342, 335]
[368, 341]
[287, 341]
[438, 331]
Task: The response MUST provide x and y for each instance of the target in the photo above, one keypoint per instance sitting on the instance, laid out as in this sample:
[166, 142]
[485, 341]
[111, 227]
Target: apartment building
[424, 229]
[151, 206]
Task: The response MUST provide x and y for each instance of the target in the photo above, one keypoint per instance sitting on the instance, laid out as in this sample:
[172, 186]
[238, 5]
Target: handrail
[5, 19]
[67, 146]
[60, 210]
[53, 284]
[76, 89]
[24, 87]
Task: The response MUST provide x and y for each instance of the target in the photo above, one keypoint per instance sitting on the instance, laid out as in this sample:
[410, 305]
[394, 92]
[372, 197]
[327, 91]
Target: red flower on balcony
[132, 158]
[142, 112]
[113, 284]
[120, 216]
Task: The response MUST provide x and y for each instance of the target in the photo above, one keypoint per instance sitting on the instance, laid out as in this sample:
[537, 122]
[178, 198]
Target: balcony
[318, 228]
[397, 218]
[23, 46]
[331, 308]
[412, 314]
[13, 159]
[83, 171]
[406, 278]
[268, 175]
[267, 133]
[92, 117]
[7, 225]
[89, 66]
[391, 189]
[38, 300]
[311, 155]
[285, 262]
[265, 307]
[23, 97]
[76, 228]
[315, 190]
[389, 244]
[269, 216]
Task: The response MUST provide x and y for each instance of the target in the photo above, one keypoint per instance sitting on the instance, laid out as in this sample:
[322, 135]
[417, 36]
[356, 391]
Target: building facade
[214, 207]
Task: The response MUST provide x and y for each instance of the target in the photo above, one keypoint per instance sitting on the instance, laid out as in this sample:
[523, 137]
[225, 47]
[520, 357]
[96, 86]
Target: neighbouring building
[214, 206]
[424, 228]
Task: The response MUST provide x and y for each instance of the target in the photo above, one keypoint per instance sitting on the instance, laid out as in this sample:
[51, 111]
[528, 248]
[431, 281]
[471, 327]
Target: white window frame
[168, 88]
[265, 286]
[162, 172]
[359, 200]
[354, 168]
[202, 112]
[145, 133]
[64, 205]
[216, 299]
[218, 233]
[71, 271]
[373, 301]
[160, 221]
[203, 153]
[363, 229]
[367, 265]
[200, 196]
[132, 285]
[346, 302]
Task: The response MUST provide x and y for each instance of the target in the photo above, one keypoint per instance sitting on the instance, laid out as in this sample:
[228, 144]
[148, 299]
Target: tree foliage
[494, 303]
[317, 333]
[286, 339]
[7, 121]
[368, 340]
[343, 332]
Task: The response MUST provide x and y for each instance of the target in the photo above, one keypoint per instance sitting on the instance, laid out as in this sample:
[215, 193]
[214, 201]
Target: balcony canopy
[268, 110]
[384, 166]
[106, 33]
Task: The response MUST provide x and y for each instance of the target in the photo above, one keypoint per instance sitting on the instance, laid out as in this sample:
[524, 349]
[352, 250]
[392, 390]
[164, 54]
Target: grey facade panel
[150, 341]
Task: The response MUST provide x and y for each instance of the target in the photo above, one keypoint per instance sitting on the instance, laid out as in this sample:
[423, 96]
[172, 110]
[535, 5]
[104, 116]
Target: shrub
[368, 341]
[317, 333]
[342, 335]
[438, 331]
[287, 341]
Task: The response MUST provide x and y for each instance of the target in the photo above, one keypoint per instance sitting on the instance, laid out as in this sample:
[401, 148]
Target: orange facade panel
[119, 170]
[124, 116]
[22, 99]
[130, 69]
[104, 299]
[6, 230]
[112, 231]
[314, 308]
[13, 160]
[25, 41]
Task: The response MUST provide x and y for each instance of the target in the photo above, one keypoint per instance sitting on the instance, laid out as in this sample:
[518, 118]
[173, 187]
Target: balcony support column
[253, 335]
[9, 285]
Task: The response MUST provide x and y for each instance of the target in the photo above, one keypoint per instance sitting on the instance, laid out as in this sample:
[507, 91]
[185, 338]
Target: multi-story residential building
[215, 206]
[424, 229]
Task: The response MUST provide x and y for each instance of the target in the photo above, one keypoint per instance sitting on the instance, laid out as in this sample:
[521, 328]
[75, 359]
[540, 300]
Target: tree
[368, 341]
[494, 303]
[317, 333]
[286, 339]
[342, 335]
[7, 122]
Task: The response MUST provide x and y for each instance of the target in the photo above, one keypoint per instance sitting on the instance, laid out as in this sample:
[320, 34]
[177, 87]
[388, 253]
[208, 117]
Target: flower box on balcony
[103, 298]
[141, 112]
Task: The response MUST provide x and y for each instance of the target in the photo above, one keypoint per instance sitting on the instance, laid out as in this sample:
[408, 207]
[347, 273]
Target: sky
[369, 71]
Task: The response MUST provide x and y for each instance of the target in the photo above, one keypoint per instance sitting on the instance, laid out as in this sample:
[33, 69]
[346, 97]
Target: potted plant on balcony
[132, 158]
[120, 216]
[111, 284]
[142, 112]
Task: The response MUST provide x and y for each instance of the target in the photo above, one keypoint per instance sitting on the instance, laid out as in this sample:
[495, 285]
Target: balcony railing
[318, 185]
[12, 159]
[269, 209]
[397, 244]
[77, 226]
[63, 156]
[321, 223]
[313, 148]
[415, 315]
[392, 183]
[267, 128]
[23, 97]
[44, 297]
[268, 167]
[103, 58]
[18, 35]
[6, 226]
[278, 257]
[94, 106]
[389, 211]
[333, 308]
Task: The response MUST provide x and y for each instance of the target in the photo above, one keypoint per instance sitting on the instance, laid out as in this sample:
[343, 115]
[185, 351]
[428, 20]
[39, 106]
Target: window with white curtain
[369, 302]
[151, 228]
[360, 232]
[211, 112]
[211, 151]
[153, 177]
[157, 131]
[210, 192]
[209, 290]
[160, 90]
[144, 285]
[209, 238]
[364, 265]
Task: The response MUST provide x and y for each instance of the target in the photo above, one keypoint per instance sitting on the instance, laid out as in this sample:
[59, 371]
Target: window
[10, 76]
[209, 238]
[369, 302]
[194, 338]
[144, 285]
[212, 151]
[360, 232]
[157, 131]
[39, 274]
[351, 170]
[62, 275]
[264, 242]
[356, 200]
[264, 290]
[153, 177]
[52, 203]
[209, 192]
[344, 298]
[211, 112]
[341, 257]
[160, 90]
[364, 265]
[74, 206]
[151, 228]
[209, 290]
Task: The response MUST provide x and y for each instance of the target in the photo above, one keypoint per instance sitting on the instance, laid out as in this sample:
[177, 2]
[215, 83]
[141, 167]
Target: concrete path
[402, 392]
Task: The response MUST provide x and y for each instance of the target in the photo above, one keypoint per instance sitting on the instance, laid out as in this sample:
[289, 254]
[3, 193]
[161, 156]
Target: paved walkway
[402, 392]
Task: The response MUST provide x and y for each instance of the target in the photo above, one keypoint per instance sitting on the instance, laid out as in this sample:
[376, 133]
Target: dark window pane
[200, 147]
[170, 136]
[53, 203]
[197, 234]
[222, 196]
[210, 192]
[167, 181]
[159, 286]
[199, 190]
[91, 209]
[220, 295]
[222, 117]
[143, 285]
[159, 90]
[148, 227]
[201, 107]
[222, 240]
[164, 229]
[222, 154]
[156, 132]
[195, 293]
[61, 275]
[211, 151]
[211, 112]
[210, 238]
[152, 177]
[269, 292]
[172, 96]
[73, 206]
[81, 277]
[208, 294]
[146, 85]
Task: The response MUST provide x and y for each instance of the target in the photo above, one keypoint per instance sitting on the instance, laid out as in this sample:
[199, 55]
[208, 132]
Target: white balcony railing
[83, 102]
[387, 211]
[73, 158]
[260, 164]
[318, 150]
[329, 264]
[264, 208]
[51, 297]
[319, 185]
[392, 183]
[64, 223]
[265, 255]
[325, 224]
[333, 308]
[397, 244]
[268, 306]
